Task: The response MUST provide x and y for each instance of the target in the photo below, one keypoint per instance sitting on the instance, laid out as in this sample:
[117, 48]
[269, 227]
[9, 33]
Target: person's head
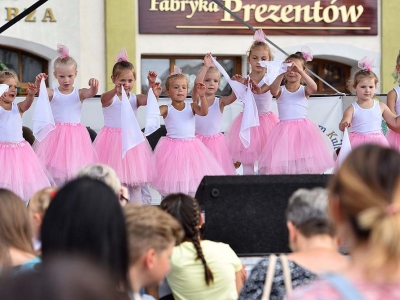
[364, 83]
[86, 219]
[307, 215]
[103, 173]
[187, 211]
[152, 234]
[37, 208]
[15, 231]
[65, 68]
[365, 205]
[298, 59]
[124, 73]
[259, 51]
[212, 80]
[397, 68]
[11, 79]
[176, 87]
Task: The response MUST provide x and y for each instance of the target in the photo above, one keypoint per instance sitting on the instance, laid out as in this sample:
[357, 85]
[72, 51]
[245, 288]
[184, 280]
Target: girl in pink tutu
[295, 145]
[364, 116]
[68, 147]
[135, 166]
[393, 103]
[181, 159]
[259, 51]
[21, 170]
[208, 128]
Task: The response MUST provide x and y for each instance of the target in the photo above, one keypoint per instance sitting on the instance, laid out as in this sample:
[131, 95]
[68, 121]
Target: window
[164, 65]
[25, 64]
[336, 74]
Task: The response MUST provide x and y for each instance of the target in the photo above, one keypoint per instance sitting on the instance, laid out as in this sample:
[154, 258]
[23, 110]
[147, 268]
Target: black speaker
[248, 212]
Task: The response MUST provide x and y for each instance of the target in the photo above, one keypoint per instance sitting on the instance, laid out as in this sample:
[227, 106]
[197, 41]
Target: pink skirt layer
[258, 138]
[181, 165]
[296, 147]
[136, 168]
[219, 148]
[21, 170]
[65, 150]
[357, 139]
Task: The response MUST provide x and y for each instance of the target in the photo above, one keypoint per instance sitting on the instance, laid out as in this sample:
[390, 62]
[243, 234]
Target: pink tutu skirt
[258, 138]
[357, 139]
[21, 170]
[181, 165]
[136, 168]
[296, 147]
[65, 150]
[219, 148]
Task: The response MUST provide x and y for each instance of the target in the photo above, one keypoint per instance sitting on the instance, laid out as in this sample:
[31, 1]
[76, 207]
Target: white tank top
[397, 105]
[112, 113]
[366, 120]
[10, 125]
[292, 106]
[66, 108]
[211, 123]
[180, 124]
[263, 101]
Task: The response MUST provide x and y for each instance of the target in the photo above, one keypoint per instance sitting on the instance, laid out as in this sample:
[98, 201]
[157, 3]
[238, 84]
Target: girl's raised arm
[275, 87]
[107, 97]
[200, 76]
[311, 87]
[26, 104]
[91, 91]
[141, 98]
[201, 110]
[37, 83]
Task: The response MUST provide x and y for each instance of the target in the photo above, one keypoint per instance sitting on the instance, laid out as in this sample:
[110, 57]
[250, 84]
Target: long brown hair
[187, 211]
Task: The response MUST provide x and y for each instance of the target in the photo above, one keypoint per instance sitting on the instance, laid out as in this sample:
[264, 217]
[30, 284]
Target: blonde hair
[64, 62]
[123, 66]
[172, 77]
[257, 44]
[4, 75]
[361, 75]
[40, 201]
[103, 173]
[367, 185]
[148, 227]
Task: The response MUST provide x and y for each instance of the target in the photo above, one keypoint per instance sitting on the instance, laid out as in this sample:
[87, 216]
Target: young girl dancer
[68, 147]
[181, 159]
[295, 145]
[21, 170]
[208, 128]
[364, 116]
[259, 51]
[136, 168]
[394, 104]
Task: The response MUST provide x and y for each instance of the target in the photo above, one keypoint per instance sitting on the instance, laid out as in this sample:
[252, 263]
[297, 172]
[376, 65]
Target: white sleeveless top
[263, 101]
[180, 124]
[10, 125]
[292, 106]
[366, 120]
[112, 113]
[66, 108]
[397, 105]
[211, 123]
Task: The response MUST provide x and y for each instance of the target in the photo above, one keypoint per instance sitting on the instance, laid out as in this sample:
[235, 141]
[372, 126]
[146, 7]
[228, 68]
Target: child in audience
[181, 159]
[68, 147]
[200, 269]
[208, 128]
[152, 234]
[20, 169]
[136, 168]
[364, 116]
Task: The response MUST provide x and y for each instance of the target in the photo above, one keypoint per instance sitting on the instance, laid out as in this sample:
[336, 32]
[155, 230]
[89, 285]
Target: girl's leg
[135, 194]
[248, 169]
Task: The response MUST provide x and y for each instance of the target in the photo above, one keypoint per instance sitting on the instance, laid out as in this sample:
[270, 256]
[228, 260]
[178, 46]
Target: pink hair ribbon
[62, 51]
[177, 70]
[259, 36]
[307, 53]
[122, 55]
[366, 63]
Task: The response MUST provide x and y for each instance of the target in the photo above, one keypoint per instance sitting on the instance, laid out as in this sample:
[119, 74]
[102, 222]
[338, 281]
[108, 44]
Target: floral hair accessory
[177, 70]
[259, 36]
[306, 53]
[121, 56]
[366, 63]
[62, 51]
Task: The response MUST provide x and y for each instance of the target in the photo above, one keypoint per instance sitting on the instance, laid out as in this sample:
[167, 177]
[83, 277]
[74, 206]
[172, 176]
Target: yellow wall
[120, 32]
[390, 42]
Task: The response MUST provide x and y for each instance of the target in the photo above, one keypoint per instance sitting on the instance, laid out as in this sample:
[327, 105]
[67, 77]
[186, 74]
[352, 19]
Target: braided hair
[187, 211]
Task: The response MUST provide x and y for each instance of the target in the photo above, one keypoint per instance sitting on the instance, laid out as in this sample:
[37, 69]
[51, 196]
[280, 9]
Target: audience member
[365, 206]
[314, 244]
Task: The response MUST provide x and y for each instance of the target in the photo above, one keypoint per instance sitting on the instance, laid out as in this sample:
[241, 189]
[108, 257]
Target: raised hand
[238, 77]
[201, 89]
[3, 97]
[294, 67]
[254, 86]
[32, 89]
[151, 77]
[39, 78]
[207, 60]
[93, 83]
[157, 89]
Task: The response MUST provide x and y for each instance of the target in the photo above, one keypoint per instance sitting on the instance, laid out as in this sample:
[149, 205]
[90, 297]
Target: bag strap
[270, 277]
[286, 274]
[345, 288]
